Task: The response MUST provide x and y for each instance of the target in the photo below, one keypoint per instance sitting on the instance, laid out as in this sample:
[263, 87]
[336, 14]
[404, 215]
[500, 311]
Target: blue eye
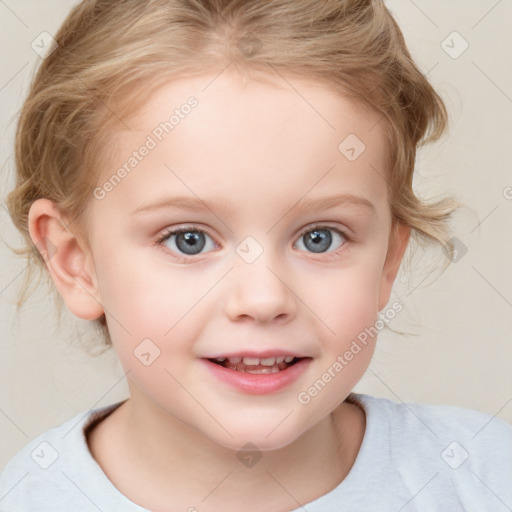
[187, 241]
[320, 239]
[191, 241]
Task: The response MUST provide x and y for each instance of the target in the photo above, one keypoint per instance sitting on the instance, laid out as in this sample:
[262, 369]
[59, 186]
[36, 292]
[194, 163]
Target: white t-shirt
[414, 457]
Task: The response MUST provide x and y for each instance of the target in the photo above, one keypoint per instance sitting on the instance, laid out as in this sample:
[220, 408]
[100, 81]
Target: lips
[263, 375]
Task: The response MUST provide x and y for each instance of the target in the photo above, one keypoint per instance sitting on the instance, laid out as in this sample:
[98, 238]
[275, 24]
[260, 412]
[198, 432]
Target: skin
[253, 153]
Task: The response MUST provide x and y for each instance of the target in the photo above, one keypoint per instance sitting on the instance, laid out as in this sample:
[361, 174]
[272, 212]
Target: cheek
[142, 298]
[347, 300]
[348, 309]
[162, 305]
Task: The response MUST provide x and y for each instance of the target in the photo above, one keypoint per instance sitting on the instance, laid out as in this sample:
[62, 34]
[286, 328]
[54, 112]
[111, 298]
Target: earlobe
[399, 239]
[66, 260]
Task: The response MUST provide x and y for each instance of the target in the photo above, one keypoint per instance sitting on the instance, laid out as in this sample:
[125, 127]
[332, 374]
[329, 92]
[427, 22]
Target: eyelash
[167, 234]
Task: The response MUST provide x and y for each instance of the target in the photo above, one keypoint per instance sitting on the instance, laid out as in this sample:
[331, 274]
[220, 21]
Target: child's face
[247, 160]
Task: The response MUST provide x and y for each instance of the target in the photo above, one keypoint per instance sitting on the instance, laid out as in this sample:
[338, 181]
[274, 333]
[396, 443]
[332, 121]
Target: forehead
[264, 105]
[268, 135]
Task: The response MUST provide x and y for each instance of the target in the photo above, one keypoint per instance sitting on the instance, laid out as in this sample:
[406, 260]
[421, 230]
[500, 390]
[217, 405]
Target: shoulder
[453, 451]
[426, 425]
[49, 470]
[436, 419]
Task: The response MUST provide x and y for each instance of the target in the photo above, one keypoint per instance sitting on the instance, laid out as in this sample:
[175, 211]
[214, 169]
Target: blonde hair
[112, 54]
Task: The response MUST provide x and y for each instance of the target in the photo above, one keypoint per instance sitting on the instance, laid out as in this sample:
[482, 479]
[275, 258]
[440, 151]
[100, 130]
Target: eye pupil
[190, 238]
[317, 237]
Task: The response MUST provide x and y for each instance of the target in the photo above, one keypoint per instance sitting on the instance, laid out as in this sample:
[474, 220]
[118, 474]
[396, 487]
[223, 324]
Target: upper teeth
[266, 361]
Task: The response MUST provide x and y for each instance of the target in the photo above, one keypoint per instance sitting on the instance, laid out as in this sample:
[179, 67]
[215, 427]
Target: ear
[70, 265]
[398, 241]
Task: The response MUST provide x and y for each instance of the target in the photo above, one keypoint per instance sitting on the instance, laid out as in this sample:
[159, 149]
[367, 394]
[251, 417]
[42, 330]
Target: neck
[171, 463]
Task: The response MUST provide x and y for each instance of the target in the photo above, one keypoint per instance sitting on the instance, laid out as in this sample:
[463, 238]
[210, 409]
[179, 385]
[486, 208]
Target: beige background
[461, 350]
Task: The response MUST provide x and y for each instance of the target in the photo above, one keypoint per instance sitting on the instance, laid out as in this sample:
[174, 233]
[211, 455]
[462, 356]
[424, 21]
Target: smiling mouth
[256, 365]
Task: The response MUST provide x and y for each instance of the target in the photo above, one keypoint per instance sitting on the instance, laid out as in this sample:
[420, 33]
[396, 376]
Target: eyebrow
[305, 205]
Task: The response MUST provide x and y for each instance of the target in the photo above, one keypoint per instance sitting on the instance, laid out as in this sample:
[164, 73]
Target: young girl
[225, 188]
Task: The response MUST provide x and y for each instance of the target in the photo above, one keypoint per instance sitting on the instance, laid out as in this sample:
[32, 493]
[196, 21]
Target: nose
[258, 292]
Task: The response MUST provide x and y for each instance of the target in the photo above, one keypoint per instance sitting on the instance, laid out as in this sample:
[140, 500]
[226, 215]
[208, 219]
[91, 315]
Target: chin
[261, 437]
